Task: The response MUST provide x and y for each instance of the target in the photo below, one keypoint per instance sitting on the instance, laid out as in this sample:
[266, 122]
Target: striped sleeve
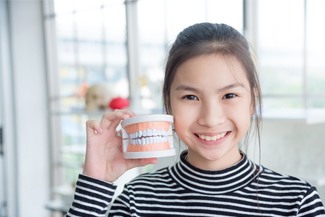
[92, 197]
[311, 204]
[121, 206]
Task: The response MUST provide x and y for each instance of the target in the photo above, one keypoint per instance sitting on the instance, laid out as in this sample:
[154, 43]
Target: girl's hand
[104, 154]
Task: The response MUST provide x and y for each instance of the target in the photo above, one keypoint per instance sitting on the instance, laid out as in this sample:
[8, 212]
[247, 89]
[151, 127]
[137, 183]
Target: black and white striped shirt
[246, 189]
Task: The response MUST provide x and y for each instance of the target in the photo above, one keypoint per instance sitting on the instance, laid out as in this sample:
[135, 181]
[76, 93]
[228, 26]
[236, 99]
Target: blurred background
[65, 61]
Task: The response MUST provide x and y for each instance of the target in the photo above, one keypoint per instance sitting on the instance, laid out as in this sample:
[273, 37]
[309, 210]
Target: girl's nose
[211, 114]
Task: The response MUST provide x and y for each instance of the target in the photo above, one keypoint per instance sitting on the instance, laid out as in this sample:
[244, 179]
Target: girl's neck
[224, 162]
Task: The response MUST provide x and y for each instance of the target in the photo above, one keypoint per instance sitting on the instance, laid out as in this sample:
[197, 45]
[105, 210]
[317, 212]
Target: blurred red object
[119, 103]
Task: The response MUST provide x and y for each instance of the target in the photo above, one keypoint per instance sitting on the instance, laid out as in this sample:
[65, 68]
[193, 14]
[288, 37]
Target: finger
[112, 119]
[93, 127]
[147, 161]
[141, 162]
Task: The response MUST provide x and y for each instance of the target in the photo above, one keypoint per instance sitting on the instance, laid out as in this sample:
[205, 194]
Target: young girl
[212, 90]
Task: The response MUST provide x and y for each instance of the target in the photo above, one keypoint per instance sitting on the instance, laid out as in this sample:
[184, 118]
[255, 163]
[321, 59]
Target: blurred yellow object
[97, 97]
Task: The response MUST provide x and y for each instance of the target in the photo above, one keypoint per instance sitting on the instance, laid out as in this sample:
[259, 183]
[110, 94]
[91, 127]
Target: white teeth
[148, 136]
[212, 138]
[147, 133]
[148, 140]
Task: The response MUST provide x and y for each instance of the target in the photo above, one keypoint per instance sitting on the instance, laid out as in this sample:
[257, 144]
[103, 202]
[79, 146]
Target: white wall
[29, 126]
[295, 148]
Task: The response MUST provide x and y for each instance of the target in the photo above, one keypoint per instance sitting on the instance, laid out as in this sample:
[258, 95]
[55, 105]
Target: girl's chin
[214, 159]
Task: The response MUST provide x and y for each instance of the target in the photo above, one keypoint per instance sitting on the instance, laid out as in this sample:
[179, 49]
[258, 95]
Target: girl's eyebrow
[231, 86]
[228, 87]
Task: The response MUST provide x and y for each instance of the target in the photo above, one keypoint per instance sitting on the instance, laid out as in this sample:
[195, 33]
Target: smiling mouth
[212, 138]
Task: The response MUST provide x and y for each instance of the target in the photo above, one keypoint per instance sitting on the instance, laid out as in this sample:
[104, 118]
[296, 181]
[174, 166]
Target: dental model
[147, 136]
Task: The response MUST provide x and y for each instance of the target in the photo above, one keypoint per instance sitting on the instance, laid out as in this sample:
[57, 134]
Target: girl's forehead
[214, 68]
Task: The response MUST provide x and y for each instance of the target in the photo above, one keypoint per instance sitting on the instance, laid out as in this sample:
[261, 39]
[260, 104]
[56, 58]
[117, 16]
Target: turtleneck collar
[214, 182]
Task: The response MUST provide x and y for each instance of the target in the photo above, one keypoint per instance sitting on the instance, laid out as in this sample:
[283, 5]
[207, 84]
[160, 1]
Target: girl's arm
[92, 197]
[104, 164]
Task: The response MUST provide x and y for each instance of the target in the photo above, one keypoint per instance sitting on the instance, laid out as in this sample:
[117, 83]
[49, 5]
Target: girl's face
[211, 105]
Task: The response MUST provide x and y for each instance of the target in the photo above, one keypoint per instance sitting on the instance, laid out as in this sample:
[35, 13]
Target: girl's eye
[229, 96]
[190, 97]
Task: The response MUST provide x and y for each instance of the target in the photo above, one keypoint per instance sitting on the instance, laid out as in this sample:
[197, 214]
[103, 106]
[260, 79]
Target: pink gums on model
[148, 136]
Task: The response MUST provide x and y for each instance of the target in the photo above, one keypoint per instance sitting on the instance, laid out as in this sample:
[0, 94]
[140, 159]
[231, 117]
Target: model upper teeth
[148, 140]
[147, 133]
[148, 136]
[212, 138]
